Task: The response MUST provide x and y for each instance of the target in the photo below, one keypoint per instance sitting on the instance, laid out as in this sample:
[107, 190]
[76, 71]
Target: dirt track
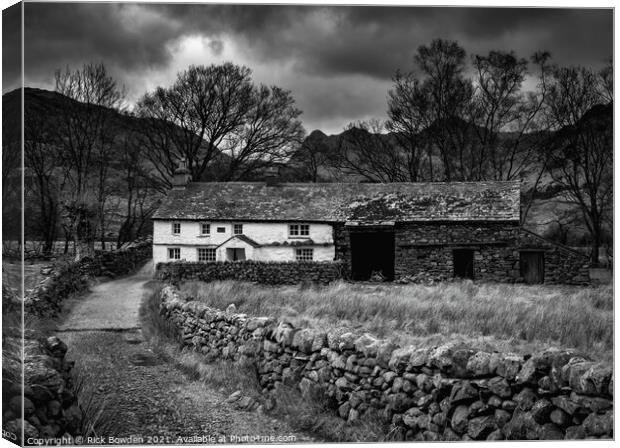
[142, 395]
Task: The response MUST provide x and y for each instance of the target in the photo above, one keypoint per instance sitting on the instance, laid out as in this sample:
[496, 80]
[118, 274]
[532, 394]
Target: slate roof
[245, 239]
[342, 202]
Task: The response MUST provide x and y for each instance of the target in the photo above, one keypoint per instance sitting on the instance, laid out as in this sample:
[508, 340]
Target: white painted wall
[284, 253]
[263, 233]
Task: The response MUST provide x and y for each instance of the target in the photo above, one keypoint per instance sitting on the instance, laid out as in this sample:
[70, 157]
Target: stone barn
[393, 232]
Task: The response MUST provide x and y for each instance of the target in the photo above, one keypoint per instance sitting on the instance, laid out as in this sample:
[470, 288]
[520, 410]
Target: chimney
[181, 176]
[272, 176]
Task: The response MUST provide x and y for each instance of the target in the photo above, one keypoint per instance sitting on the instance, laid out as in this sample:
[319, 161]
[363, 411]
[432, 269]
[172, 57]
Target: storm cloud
[338, 61]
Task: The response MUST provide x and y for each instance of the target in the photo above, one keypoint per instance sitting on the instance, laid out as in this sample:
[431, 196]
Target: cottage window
[221, 230]
[304, 254]
[238, 229]
[176, 228]
[299, 229]
[205, 229]
[174, 253]
[206, 254]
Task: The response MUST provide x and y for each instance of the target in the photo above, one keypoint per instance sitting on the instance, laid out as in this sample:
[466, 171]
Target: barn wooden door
[533, 267]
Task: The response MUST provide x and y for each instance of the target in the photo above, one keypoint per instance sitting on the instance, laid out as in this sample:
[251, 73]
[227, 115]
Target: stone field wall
[450, 392]
[49, 398]
[273, 273]
[46, 298]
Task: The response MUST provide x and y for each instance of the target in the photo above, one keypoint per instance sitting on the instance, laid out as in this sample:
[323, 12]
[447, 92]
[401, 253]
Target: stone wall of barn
[450, 392]
[425, 250]
[563, 265]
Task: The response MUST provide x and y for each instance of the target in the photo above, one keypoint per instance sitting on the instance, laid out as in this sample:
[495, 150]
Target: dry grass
[505, 317]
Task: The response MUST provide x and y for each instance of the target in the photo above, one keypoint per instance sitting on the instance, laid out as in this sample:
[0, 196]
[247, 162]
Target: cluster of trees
[455, 118]
[93, 165]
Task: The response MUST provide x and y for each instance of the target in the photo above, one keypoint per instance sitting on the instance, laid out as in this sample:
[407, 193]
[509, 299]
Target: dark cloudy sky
[336, 60]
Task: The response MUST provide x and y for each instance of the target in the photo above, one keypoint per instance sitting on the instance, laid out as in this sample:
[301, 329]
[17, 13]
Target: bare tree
[140, 198]
[581, 159]
[428, 111]
[216, 113]
[313, 156]
[505, 117]
[366, 150]
[82, 127]
[448, 93]
[40, 178]
[11, 175]
[409, 115]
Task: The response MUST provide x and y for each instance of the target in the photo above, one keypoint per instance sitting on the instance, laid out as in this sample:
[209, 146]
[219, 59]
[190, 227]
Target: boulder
[501, 417]
[541, 410]
[494, 401]
[343, 410]
[479, 428]
[460, 419]
[463, 393]
[575, 433]
[55, 347]
[564, 403]
[284, 334]
[594, 381]
[480, 364]
[500, 387]
[399, 361]
[594, 404]
[521, 427]
[410, 418]
[550, 431]
[599, 424]
[509, 366]
[560, 418]
[525, 399]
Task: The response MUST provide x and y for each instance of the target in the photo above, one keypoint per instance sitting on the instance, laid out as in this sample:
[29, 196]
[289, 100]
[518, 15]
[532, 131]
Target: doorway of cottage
[532, 267]
[235, 254]
[372, 255]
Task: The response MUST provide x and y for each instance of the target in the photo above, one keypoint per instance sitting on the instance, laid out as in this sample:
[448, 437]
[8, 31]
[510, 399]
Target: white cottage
[230, 221]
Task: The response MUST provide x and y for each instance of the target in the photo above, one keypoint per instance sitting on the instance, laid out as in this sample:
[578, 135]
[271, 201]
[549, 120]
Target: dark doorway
[463, 260]
[533, 267]
[372, 252]
[235, 254]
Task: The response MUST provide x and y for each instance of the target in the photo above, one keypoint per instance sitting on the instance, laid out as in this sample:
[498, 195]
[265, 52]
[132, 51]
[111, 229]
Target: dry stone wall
[450, 392]
[271, 273]
[50, 404]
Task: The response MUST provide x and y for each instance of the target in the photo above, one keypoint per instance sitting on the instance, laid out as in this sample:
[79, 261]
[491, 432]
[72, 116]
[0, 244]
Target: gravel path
[144, 398]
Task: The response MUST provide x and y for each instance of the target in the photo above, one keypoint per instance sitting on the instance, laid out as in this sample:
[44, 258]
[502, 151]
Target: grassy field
[503, 317]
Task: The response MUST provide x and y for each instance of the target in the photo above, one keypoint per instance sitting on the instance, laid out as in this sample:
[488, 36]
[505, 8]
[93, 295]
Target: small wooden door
[533, 267]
